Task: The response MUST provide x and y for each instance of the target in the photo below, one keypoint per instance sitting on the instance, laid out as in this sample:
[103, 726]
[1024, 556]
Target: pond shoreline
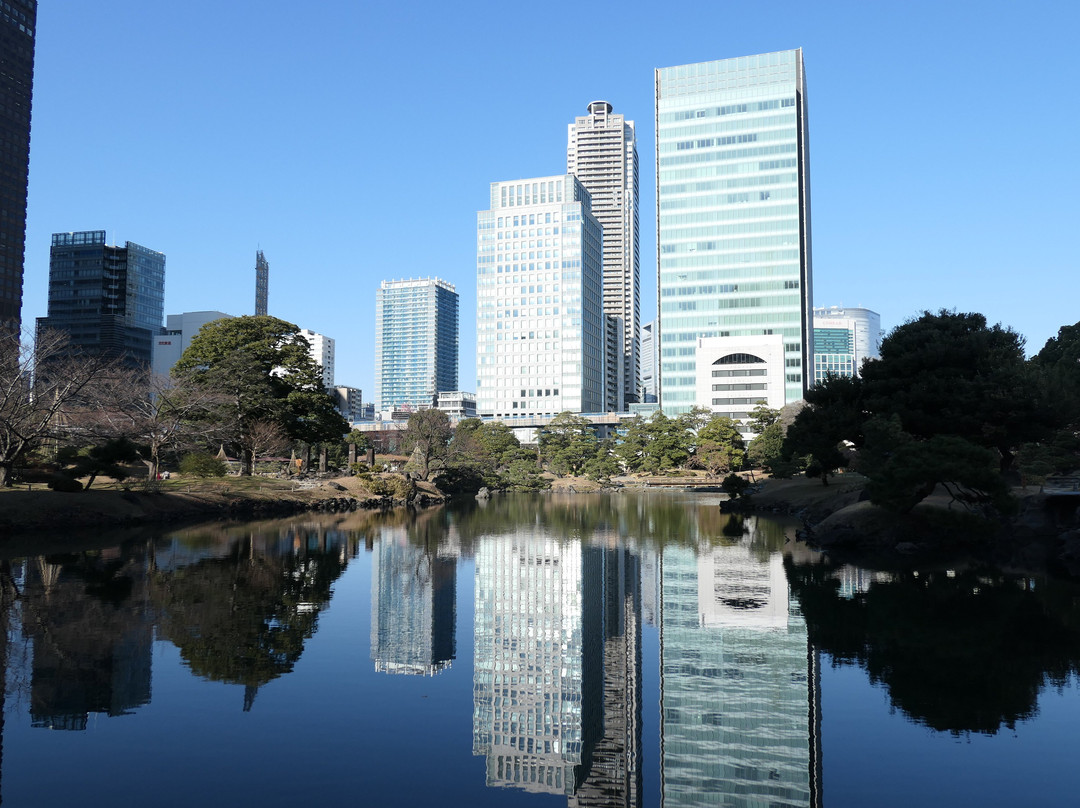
[839, 520]
[29, 511]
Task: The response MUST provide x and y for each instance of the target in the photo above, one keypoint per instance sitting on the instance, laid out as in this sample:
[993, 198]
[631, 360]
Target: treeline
[246, 386]
[488, 455]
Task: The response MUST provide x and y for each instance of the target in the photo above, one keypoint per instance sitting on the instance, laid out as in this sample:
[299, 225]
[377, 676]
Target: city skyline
[927, 209]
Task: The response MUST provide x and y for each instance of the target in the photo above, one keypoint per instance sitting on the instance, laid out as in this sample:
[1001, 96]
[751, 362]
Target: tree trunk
[5, 475]
[247, 462]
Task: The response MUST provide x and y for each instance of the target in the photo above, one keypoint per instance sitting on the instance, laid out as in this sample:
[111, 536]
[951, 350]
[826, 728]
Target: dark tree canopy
[261, 370]
[950, 373]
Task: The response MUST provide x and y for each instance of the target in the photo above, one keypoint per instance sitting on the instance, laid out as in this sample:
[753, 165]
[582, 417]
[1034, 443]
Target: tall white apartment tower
[601, 152]
[322, 352]
[539, 312]
[733, 218]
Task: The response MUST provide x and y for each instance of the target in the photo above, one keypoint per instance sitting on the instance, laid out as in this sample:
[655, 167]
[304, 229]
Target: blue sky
[354, 142]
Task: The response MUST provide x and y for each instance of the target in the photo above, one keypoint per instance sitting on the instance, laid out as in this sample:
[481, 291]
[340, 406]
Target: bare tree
[42, 383]
[262, 438]
[155, 412]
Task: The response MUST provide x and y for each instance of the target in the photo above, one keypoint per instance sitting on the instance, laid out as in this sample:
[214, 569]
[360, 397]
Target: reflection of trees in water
[90, 623]
[968, 653]
[655, 517]
[243, 618]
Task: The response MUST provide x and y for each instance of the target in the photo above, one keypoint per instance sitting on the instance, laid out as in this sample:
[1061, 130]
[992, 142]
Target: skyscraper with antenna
[262, 282]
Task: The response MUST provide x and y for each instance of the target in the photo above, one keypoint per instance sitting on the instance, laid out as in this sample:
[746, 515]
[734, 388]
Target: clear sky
[354, 142]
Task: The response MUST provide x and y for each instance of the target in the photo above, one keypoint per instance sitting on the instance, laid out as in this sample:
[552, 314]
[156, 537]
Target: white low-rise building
[735, 374]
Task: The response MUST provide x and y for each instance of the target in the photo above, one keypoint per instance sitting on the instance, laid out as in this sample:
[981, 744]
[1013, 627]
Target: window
[739, 359]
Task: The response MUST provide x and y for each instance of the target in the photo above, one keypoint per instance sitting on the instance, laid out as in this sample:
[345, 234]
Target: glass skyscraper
[109, 300]
[416, 342]
[733, 214]
[17, 25]
[539, 310]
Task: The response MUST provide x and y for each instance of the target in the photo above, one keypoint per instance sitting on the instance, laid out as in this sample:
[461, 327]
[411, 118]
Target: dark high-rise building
[17, 22]
[108, 300]
[262, 283]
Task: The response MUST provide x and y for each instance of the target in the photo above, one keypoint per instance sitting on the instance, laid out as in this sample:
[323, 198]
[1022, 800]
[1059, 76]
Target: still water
[602, 650]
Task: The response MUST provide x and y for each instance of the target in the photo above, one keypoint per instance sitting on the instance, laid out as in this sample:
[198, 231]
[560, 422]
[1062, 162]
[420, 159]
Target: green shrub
[359, 469]
[734, 485]
[201, 464]
[65, 484]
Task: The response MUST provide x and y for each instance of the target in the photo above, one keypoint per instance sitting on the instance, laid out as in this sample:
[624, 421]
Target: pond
[627, 649]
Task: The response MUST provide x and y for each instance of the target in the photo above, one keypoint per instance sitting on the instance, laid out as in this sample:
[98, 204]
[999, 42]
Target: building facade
[844, 338]
[601, 152]
[109, 300]
[457, 403]
[322, 351]
[733, 214]
[416, 342]
[735, 374]
[18, 23]
[349, 402]
[179, 331]
[539, 309]
[649, 373]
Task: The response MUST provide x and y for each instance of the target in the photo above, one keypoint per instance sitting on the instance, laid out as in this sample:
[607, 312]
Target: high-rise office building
[539, 313]
[18, 22]
[733, 214]
[601, 152]
[262, 283]
[109, 300]
[416, 342]
[844, 338]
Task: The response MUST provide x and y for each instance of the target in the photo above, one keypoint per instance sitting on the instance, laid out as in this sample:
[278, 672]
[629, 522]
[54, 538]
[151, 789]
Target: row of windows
[728, 374]
[724, 388]
[698, 326]
[668, 133]
[668, 221]
[720, 304]
[730, 199]
[705, 143]
[767, 256]
[729, 154]
[728, 109]
[534, 193]
[674, 188]
[533, 218]
[747, 243]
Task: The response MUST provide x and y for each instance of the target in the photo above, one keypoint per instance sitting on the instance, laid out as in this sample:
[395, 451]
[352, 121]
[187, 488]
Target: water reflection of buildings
[91, 628]
[413, 606]
[615, 777]
[557, 670]
[739, 683]
[529, 679]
